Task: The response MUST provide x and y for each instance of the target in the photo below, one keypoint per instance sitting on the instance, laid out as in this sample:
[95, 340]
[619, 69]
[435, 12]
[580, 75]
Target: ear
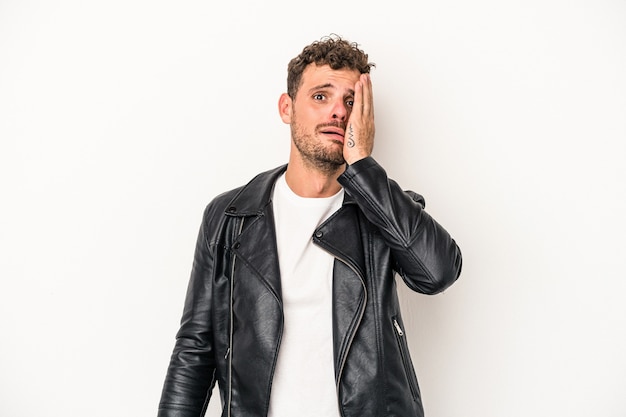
[284, 108]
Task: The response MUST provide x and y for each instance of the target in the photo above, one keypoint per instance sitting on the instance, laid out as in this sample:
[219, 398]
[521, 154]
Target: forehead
[323, 75]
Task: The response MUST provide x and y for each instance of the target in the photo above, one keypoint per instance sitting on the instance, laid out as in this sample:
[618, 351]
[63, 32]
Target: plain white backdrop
[120, 120]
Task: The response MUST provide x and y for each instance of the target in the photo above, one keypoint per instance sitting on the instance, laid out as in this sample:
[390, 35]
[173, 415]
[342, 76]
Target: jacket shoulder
[248, 199]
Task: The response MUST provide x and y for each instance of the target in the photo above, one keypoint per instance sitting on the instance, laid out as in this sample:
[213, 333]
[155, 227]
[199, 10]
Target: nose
[340, 111]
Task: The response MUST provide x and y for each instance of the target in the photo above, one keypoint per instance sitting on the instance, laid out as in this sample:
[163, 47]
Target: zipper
[404, 356]
[398, 328]
[230, 340]
[362, 312]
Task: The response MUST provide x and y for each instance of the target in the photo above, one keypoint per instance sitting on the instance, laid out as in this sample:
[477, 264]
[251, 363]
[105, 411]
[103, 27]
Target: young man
[292, 306]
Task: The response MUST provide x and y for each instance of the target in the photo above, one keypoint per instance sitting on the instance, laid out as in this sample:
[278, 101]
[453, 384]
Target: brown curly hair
[331, 50]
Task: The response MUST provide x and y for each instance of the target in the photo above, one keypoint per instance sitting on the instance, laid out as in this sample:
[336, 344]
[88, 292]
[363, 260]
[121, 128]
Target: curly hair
[331, 50]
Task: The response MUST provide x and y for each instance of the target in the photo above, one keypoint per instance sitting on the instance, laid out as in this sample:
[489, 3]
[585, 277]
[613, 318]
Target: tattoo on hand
[350, 137]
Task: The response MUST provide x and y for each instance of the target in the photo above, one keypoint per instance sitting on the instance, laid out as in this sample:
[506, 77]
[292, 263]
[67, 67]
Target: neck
[307, 181]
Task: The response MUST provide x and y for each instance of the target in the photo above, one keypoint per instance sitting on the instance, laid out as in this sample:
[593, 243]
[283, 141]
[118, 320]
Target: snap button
[319, 234]
[237, 245]
[232, 209]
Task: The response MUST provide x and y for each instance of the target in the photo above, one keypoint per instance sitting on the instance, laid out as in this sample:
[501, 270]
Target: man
[292, 306]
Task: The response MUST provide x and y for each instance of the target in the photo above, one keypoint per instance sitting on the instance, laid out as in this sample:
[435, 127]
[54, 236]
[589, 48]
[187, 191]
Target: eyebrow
[327, 85]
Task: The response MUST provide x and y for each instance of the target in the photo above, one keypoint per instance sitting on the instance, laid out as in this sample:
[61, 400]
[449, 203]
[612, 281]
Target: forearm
[426, 256]
[190, 376]
[188, 384]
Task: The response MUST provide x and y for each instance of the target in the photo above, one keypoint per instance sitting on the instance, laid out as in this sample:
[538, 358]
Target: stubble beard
[326, 158]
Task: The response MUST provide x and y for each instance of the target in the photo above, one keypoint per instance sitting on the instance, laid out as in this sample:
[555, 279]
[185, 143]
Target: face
[319, 113]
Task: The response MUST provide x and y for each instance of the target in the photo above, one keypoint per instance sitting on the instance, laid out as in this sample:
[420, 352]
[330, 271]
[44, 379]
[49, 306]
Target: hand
[360, 130]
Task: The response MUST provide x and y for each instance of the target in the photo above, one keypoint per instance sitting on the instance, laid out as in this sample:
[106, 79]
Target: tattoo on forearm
[350, 137]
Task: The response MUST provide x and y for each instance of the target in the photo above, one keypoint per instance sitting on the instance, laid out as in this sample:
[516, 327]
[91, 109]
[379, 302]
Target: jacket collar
[256, 195]
[252, 199]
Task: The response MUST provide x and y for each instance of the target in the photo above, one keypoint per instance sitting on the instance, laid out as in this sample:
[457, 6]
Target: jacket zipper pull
[227, 353]
[398, 328]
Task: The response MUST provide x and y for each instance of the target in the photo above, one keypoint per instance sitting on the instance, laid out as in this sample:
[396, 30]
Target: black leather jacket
[232, 323]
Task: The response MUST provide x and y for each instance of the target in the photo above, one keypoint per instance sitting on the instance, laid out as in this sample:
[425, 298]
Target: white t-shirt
[304, 380]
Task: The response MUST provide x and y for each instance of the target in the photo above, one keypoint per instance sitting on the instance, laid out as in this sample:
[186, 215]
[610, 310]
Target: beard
[324, 157]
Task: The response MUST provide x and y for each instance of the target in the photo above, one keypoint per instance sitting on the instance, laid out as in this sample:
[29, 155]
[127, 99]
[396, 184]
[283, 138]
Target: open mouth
[333, 133]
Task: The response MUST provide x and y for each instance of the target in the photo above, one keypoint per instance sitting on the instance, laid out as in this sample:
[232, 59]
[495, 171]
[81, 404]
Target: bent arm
[191, 374]
[426, 256]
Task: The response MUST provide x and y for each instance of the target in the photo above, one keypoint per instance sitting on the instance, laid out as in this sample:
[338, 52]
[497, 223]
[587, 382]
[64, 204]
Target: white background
[120, 120]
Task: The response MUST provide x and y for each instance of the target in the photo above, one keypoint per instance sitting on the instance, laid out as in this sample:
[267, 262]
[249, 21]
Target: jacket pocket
[405, 357]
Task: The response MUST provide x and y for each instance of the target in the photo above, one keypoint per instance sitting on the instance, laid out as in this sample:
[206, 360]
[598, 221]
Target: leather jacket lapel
[256, 246]
[341, 236]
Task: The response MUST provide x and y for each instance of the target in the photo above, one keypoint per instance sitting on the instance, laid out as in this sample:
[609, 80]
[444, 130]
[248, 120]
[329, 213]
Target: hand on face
[360, 130]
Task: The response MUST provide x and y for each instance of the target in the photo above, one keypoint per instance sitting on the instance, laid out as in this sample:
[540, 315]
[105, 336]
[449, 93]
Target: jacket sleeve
[425, 255]
[191, 374]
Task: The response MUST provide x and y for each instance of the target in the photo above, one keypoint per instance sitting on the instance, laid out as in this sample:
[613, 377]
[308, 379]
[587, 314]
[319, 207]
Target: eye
[350, 102]
[318, 96]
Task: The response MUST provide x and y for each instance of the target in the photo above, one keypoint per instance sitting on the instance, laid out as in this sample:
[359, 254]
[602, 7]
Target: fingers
[367, 96]
[360, 129]
[363, 99]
